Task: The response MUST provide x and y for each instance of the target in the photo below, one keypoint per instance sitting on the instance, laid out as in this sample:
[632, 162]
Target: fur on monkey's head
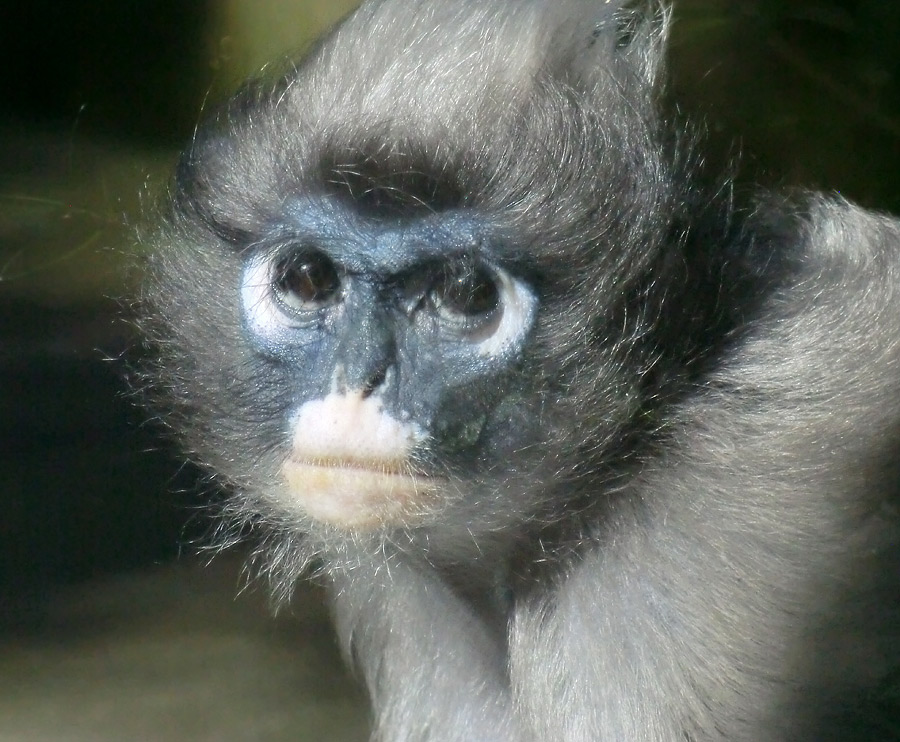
[541, 114]
[539, 118]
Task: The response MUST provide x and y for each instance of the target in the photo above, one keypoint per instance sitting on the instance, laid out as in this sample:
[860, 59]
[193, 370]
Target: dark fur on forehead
[403, 185]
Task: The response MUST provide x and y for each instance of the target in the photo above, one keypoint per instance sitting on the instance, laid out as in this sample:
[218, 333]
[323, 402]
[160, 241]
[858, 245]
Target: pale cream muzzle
[349, 463]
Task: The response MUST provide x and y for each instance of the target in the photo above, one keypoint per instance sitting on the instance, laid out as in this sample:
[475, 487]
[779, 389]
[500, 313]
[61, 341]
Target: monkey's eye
[468, 299]
[306, 280]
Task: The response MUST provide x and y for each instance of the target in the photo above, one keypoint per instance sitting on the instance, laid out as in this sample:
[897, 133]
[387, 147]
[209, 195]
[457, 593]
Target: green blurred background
[95, 100]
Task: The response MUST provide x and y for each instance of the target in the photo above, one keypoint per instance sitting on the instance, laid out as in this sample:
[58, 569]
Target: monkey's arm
[700, 607]
[434, 672]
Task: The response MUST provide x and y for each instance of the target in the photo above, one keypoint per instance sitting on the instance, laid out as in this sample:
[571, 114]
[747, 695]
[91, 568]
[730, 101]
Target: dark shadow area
[88, 488]
[805, 93]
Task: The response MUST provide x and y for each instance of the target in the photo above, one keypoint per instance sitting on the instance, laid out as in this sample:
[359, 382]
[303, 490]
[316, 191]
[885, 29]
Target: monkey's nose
[377, 379]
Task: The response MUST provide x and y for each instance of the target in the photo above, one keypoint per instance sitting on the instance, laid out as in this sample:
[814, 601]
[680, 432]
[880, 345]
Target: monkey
[583, 444]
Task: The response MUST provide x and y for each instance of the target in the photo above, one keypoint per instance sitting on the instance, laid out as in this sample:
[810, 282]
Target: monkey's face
[348, 361]
[398, 338]
[386, 293]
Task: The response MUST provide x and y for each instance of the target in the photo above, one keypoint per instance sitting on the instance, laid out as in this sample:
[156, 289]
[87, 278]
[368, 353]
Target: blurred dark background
[95, 99]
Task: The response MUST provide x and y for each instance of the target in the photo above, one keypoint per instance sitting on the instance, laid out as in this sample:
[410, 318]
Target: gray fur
[685, 497]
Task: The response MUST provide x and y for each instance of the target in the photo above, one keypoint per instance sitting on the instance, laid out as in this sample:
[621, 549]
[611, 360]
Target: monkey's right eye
[306, 280]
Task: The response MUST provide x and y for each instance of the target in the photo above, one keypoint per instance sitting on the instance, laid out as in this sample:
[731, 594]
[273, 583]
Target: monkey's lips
[357, 494]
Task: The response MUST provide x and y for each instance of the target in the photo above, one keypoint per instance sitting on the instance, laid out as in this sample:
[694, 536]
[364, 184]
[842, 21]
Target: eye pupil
[306, 280]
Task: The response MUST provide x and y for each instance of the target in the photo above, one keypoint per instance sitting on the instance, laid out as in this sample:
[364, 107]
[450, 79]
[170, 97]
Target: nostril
[375, 380]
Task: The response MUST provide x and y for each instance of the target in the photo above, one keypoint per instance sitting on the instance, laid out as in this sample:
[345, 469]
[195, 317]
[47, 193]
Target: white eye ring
[265, 315]
[517, 305]
[260, 313]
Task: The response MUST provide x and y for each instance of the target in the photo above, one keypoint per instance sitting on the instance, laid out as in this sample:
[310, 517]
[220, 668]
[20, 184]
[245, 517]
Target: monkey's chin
[357, 498]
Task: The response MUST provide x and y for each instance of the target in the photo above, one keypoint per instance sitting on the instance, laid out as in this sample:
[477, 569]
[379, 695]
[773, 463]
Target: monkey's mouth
[357, 493]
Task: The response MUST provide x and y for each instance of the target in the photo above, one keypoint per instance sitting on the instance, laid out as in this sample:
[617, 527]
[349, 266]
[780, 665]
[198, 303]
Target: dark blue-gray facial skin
[394, 336]
[411, 311]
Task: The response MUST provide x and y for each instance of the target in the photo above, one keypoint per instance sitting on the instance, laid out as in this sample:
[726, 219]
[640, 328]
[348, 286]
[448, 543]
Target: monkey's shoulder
[841, 269]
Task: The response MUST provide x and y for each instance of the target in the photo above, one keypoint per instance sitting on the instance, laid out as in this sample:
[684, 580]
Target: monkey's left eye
[306, 280]
[468, 298]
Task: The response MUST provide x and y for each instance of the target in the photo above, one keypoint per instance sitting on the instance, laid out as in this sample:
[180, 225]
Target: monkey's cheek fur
[354, 498]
